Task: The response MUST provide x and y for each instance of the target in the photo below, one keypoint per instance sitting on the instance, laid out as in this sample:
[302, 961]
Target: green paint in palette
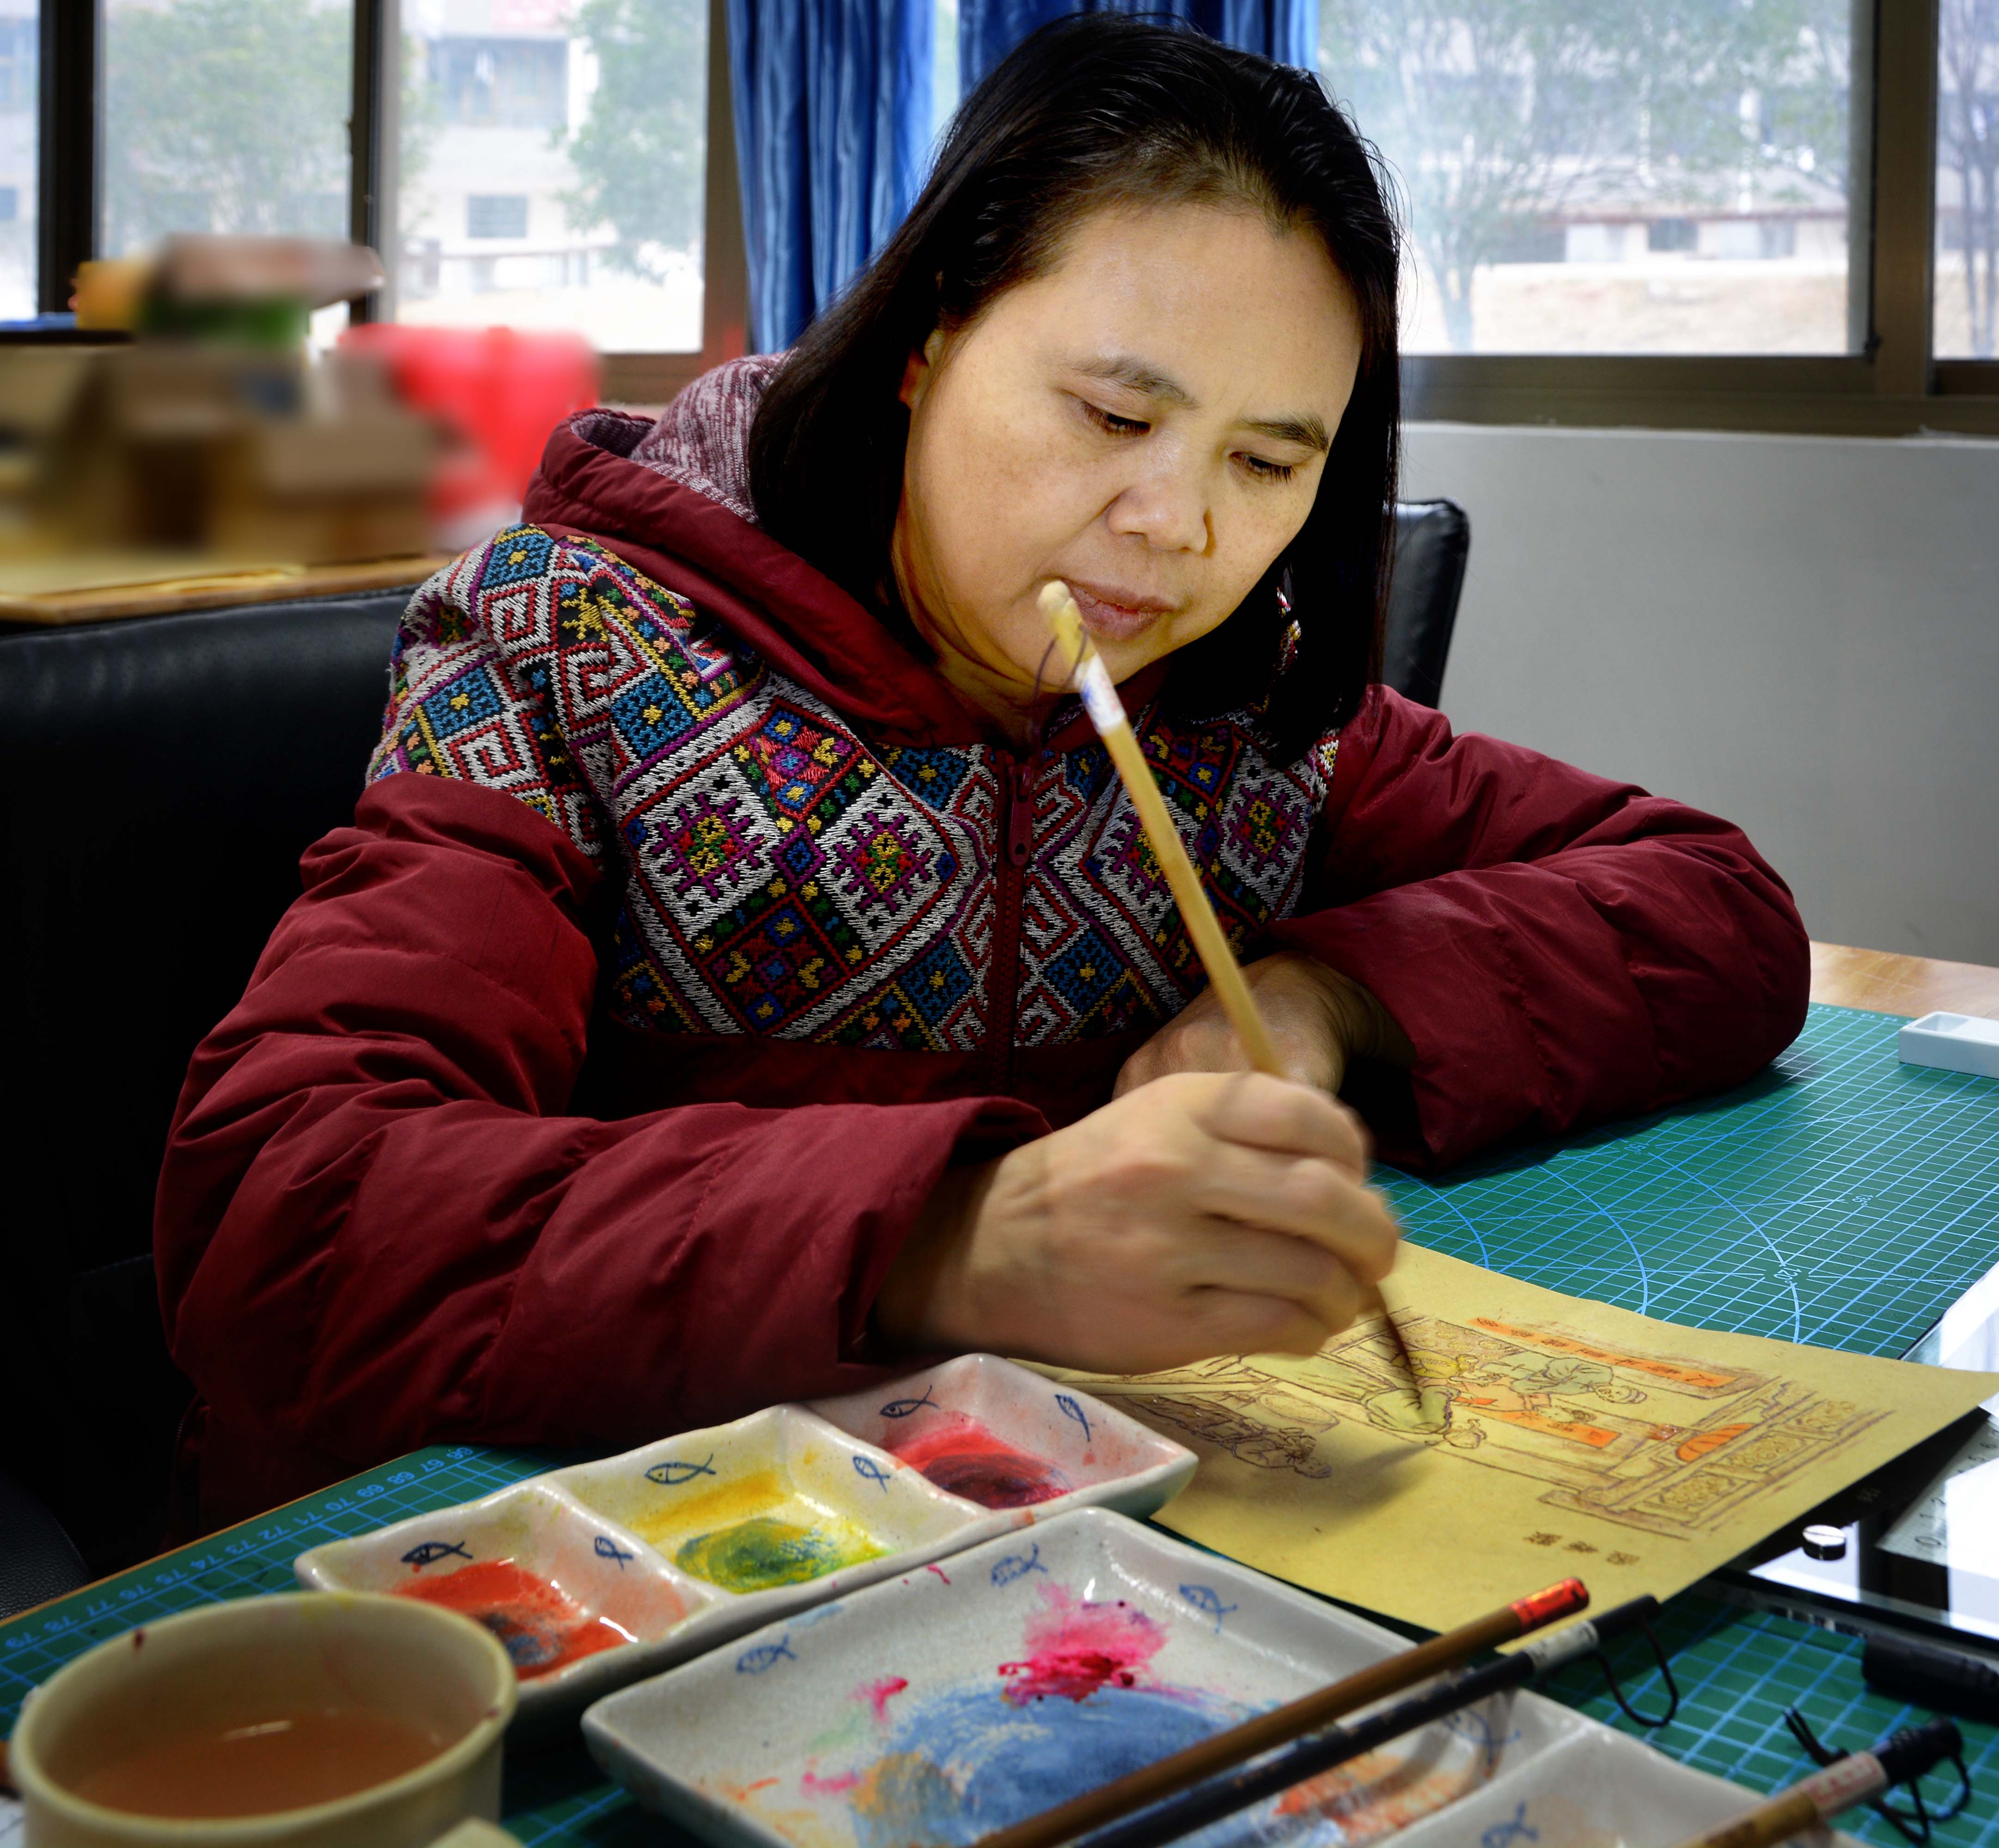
[755, 1555]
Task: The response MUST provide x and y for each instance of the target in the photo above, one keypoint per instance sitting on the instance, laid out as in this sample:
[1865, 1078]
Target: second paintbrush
[1106, 713]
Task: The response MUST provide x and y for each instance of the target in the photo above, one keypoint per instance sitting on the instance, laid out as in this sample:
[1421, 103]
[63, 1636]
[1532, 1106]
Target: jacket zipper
[1016, 845]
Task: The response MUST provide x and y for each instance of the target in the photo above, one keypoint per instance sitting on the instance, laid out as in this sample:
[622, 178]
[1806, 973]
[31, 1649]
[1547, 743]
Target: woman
[743, 970]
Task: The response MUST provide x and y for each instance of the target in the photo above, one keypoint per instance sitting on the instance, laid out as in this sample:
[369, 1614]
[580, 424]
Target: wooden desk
[1884, 983]
[214, 589]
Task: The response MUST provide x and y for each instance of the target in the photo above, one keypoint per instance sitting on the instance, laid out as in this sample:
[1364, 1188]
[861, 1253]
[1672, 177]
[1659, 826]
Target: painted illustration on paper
[1666, 1442]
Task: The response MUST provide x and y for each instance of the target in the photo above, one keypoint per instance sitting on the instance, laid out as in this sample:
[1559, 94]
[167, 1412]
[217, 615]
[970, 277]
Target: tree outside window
[1591, 175]
[1967, 279]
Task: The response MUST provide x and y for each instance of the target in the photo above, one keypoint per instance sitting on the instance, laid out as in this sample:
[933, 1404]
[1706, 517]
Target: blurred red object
[499, 392]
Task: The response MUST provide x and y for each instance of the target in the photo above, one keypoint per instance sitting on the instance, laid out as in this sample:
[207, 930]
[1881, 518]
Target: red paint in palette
[543, 1629]
[1075, 1647]
[963, 1458]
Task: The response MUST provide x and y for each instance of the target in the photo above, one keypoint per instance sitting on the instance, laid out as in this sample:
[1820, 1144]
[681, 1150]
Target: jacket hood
[672, 498]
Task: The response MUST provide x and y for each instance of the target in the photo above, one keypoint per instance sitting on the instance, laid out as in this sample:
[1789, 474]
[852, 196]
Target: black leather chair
[159, 778]
[38, 1560]
[1432, 540]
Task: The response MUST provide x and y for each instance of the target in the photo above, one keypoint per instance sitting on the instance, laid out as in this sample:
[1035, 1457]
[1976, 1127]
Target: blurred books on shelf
[209, 439]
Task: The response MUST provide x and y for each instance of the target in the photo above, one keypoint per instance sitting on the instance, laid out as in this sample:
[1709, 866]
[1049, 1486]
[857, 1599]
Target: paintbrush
[1844, 1784]
[1320, 1751]
[1225, 974]
[1223, 1751]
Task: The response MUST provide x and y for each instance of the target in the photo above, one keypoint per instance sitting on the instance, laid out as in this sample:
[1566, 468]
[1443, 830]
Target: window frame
[70, 202]
[1892, 384]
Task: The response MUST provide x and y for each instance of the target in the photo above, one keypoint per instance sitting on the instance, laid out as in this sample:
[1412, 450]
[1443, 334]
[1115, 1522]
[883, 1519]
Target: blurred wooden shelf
[215, 588]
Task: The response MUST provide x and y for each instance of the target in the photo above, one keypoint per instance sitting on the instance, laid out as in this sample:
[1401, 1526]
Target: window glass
[20, 157]
[553, 162]
[1967, 213]
[943, 71]
[1598, 176]
[225, 116]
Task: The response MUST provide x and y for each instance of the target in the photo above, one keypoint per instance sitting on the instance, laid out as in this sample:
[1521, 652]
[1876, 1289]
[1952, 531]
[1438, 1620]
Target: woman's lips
[1109, 620]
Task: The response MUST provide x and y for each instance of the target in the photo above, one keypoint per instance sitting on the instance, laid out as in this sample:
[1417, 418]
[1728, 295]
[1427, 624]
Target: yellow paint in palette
[757, 1533]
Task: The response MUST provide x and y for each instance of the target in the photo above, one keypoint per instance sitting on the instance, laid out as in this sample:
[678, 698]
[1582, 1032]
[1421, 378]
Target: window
[1967, 181]
[496, 215]
[19, 156]
[592, 114]
[500, 83]
[1743, 214]
[224, 115]
[1611, 179]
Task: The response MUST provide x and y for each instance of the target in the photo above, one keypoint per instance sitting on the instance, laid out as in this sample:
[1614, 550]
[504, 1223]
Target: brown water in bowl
[288, 1762]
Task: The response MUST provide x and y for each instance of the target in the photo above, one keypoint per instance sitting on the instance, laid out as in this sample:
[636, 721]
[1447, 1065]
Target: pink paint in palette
[962, 1457]
[1005, 1439]
[1077, 1647]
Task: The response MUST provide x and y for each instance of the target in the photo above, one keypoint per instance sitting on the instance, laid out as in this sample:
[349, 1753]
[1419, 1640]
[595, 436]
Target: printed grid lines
[1840, 1200]
[1738, 1671]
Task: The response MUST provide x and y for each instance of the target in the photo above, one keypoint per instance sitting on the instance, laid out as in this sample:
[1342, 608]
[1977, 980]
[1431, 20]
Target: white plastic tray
[1951, 1043]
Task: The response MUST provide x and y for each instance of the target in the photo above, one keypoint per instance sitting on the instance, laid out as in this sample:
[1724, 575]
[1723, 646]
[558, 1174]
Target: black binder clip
[1917, 1822]
[1666, 1673]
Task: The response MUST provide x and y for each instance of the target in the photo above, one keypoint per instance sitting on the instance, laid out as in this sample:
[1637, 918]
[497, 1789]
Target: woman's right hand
[1203, 1213]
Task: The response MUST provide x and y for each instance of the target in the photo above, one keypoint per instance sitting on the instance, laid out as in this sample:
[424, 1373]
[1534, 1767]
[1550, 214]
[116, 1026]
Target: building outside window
[1612, 179]
[553, 160]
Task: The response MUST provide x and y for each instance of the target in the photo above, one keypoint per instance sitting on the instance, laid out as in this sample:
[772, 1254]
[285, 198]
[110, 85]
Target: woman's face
[1146, 421]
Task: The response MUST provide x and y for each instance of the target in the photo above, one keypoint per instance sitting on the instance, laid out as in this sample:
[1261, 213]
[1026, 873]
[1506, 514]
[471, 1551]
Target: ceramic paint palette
[596, 1575]
[996, 1435]
[767, 1506]
[927, 1711]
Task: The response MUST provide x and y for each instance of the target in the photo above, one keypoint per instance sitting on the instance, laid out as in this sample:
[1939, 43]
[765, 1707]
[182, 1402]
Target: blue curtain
[832, 120]
[833, 127]
[1286, 30]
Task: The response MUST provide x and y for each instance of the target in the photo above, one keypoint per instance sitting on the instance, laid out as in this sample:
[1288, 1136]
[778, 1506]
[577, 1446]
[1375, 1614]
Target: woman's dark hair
[1097, 110]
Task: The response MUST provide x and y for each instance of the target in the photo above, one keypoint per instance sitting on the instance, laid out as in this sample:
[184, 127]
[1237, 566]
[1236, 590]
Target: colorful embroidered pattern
[784, 878]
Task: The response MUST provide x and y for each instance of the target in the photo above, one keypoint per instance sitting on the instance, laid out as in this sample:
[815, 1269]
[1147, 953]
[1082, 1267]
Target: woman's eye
[1268, 471]
[1109, 420]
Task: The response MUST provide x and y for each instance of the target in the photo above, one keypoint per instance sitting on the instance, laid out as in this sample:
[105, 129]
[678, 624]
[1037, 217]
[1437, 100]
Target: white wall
[1800, 633]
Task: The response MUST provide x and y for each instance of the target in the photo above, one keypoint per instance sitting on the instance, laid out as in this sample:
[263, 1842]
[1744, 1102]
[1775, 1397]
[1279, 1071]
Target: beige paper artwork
[1555, 1437]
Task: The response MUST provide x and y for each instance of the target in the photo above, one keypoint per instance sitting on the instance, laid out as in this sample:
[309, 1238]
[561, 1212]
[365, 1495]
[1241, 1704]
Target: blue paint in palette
[972, 1761]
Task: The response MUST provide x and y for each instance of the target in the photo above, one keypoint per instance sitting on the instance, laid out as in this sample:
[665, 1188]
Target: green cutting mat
[1840, 1198]
[1738, 1671]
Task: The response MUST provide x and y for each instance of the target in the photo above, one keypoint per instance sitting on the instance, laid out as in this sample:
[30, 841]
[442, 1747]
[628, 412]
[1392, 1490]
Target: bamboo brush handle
[1224, 974]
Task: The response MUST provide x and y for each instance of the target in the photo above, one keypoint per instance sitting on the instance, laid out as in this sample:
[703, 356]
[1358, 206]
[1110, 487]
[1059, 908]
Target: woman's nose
[1168, 508]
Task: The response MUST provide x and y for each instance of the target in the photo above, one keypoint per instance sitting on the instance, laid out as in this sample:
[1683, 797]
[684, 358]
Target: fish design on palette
[1017, 1565]
[753, 1661]
[605, 1548]
[905, 1408]
[867, 1467]
[1502, 1835]
[1207, 1601]
[1069, 1409]
[673, 1472]
[431, 1550]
